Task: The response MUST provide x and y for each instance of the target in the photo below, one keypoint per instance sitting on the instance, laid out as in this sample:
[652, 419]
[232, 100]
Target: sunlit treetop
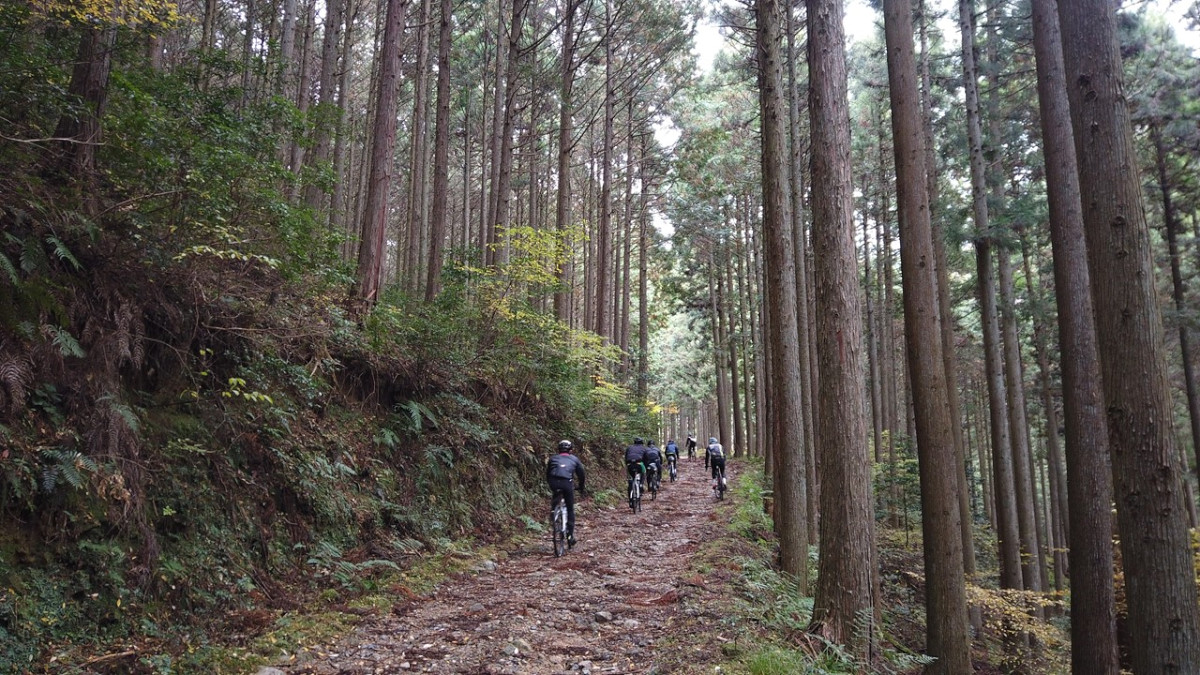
[127, 13]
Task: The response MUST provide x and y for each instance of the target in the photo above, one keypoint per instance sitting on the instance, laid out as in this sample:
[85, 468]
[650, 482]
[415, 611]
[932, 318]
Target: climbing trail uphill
[625, 599]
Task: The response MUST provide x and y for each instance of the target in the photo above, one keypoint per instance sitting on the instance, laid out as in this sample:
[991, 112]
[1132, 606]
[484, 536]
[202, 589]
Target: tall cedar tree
[1160, 582]
[383, 142]
[441, 155]
[787, 436]
[1089, 482]
[945, 596]
[1007, 532]
[846, 577]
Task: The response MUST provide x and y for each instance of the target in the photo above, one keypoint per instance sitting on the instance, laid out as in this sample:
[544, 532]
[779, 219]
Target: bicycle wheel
[653, 488]
[637, 495]
[720, 484]
[558, 530]
[674, 472]
[633, 495]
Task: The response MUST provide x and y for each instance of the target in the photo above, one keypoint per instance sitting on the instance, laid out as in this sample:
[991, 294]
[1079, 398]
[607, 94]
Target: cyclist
[653, 461]
[559, 471]
[634, 455]
[715, 454]
[672, 452]
[691, 446]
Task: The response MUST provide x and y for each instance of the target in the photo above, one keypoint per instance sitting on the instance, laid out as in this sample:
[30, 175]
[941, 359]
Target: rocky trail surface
[626, 599]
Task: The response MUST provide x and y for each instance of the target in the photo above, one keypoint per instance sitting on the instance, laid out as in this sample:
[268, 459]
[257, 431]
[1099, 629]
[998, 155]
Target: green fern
[65, 466]
[33, 258]
[62, 252]
[66, 343]
[417, 413]
[7, 266]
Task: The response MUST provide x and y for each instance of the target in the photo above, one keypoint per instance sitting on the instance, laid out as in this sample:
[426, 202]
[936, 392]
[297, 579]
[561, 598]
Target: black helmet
[638, 441]
[565, 446]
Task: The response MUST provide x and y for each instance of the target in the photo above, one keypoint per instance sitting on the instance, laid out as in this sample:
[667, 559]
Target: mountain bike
[558, 527]
[672, 460]
[653, 482]
[719, 483]
[635, 492]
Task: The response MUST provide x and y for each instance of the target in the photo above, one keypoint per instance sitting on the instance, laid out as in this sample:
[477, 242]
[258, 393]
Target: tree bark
[946, 603]
[1164, 620]
[418, 135]
[789, 470]
[846, 578]
[570, 41]
[374, 222]
[1004, 487]
[441, 156]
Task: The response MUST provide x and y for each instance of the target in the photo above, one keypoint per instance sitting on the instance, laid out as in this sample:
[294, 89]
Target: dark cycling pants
[564, 488]
[717, 461]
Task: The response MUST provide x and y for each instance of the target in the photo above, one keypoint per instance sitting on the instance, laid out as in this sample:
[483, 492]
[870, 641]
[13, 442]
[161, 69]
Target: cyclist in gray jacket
[715, 455]
[560, 471]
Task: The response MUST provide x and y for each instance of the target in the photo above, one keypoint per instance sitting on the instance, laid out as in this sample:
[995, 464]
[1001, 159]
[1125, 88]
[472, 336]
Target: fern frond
[66, 343]
[128, 416]
[62, 252]
[7, 266]
[123, 317]
[15, 373]
[33, 258]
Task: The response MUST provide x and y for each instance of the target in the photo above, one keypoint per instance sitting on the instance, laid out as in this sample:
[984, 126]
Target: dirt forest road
[624, 600]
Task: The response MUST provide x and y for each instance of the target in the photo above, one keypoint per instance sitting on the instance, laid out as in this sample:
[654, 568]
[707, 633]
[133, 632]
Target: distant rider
[634, 455]
[653, 460]
[672, 452]
[691, 445]
[715, 454]
[559, 471]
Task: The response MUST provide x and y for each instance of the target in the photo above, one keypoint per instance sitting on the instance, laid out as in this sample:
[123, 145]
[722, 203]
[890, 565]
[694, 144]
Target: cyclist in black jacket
[634, 455]
[691, 446]
[559, 471]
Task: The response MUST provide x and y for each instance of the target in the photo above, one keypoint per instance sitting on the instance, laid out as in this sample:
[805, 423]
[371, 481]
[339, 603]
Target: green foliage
[327, 558]
[66, 466]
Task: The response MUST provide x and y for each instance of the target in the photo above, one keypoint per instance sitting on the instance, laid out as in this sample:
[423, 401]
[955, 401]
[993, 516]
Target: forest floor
[639, 593]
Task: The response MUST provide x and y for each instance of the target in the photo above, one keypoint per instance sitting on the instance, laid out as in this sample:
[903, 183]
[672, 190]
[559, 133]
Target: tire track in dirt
[604, 607]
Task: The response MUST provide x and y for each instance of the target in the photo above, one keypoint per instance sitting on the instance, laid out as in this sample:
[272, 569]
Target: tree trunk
[846, 578]
[946, 315]
[808, 386]
[603, 239]
[945, 603]
[379, 181]
[1178, 289]
[81, 132]
[1004, 487]
[329, 117]
[643, 370]
[441, 156]
[789, 469]
[1164, 619]
[414, 220]
[562, 296]
[1055, 496]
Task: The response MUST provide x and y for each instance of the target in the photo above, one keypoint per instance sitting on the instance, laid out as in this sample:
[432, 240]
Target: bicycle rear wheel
[558, 530]
[720, 484]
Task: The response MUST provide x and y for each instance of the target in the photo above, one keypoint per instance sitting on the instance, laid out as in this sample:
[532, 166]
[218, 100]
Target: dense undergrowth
[196, 422]
[771, 618]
